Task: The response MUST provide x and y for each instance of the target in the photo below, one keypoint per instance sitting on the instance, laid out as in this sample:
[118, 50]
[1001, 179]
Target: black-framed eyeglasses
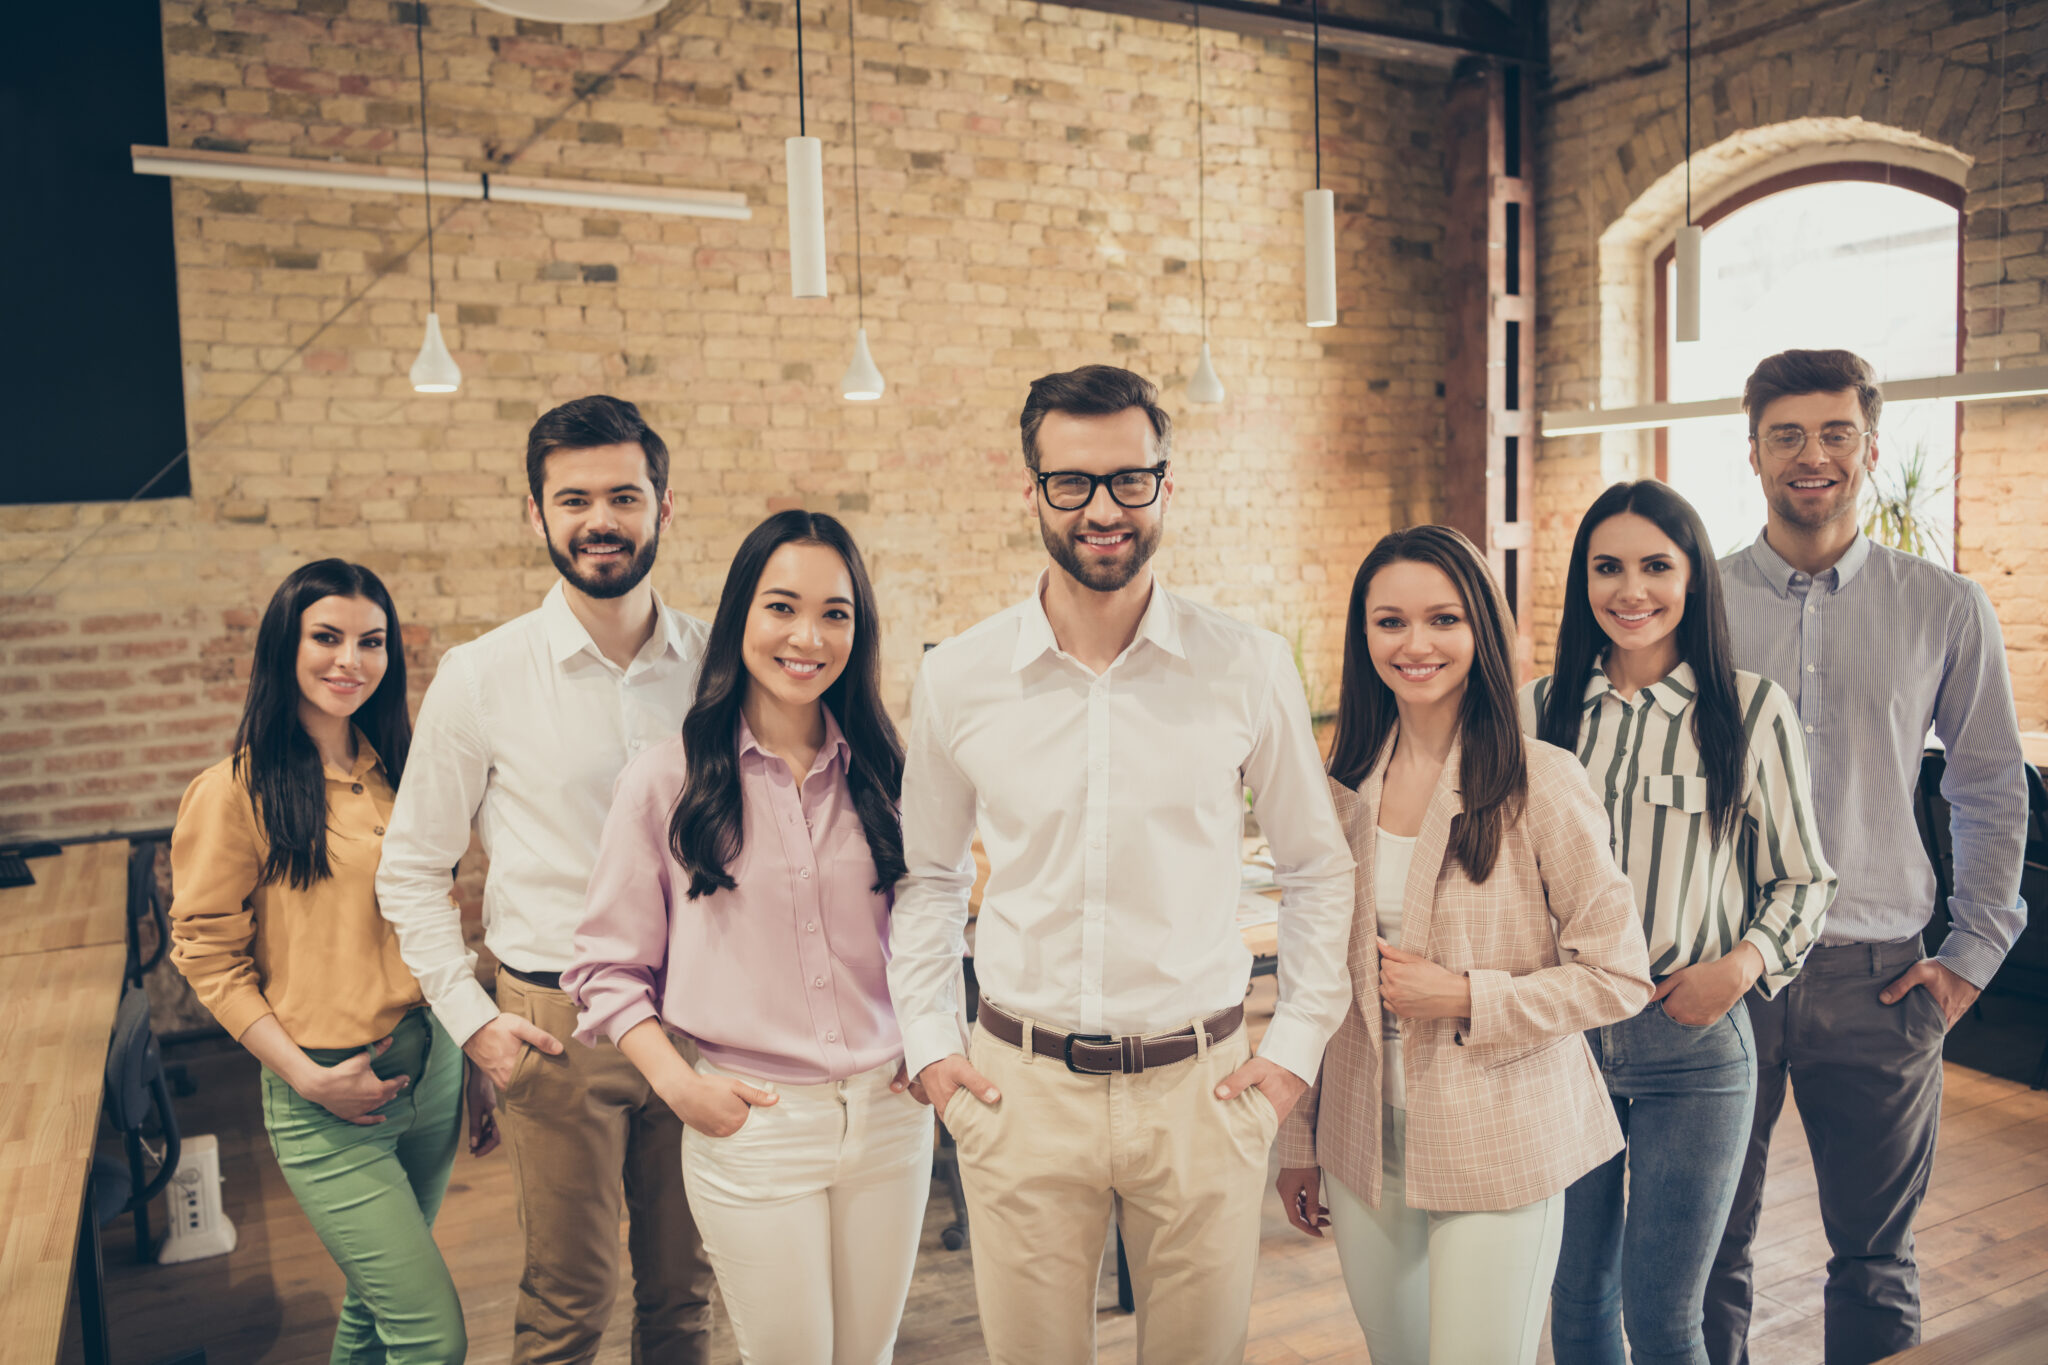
[1069, 490]
[1836, 438]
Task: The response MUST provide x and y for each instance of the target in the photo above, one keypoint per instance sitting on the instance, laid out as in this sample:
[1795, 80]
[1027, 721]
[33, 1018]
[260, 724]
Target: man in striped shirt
[1876, 647]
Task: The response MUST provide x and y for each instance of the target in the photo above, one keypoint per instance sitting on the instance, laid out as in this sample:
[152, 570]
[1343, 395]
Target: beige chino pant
[588, 1139]
[1043, 1167]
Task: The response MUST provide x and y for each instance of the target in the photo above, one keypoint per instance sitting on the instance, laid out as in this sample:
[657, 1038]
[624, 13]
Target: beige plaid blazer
[1508, 1108]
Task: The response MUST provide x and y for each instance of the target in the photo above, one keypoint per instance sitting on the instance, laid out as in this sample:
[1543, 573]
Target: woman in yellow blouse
[274, 922]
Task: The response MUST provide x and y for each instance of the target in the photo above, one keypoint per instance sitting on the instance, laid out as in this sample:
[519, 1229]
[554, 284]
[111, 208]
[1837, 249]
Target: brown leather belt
[1108, 1054]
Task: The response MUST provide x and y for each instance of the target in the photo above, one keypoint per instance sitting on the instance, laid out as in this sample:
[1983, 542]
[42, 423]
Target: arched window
[1860, 255]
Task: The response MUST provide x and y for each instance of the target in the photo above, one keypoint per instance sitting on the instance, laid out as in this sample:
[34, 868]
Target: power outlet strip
[199, 1227]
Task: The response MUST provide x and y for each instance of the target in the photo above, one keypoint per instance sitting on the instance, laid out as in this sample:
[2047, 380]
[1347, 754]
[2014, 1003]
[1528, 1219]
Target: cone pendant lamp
[433, 370]
[862, 382]
[1204, 386]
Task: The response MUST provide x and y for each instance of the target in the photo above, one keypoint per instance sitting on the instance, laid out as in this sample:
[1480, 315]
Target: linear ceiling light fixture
[1205, 386]
[191, 163]
[1319, 206]
[1686, 312]
[862, 382]
[433, 370]
[805, 158]
[1971, 387]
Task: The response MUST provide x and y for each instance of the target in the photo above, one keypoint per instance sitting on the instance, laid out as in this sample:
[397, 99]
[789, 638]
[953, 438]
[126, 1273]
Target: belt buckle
[1067, 1052]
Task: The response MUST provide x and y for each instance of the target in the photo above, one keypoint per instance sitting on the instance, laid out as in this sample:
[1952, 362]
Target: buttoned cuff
[930, 1039]
[1970, 957]
[465, 1010]
[1773, 979]
[1490, 990]
[1294, 1043]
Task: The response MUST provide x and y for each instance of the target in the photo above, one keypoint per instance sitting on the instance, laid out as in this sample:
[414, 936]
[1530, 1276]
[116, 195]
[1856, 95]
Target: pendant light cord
[800, 129]
[1201, 184]
[1315, 63]
[1688, 113]
[419, 44]
[860, 283]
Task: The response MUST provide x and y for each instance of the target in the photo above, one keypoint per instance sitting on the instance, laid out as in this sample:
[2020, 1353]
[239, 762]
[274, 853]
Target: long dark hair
[275, 757]
[706, 828]
[1493, 771]
[1702, 642]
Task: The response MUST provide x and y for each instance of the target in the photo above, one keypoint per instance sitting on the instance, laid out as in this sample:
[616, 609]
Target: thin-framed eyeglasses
[1069, 490]
[1836, 438]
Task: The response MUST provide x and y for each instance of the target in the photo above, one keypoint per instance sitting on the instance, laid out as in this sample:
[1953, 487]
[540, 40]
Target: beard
[609, 578]
[1091, 570]
[1812, 517]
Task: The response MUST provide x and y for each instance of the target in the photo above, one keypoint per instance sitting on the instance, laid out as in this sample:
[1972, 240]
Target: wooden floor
[1983, 1244]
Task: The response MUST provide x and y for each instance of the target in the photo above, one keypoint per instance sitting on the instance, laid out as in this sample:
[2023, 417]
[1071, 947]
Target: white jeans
[1443, 1288]
[811, 1214]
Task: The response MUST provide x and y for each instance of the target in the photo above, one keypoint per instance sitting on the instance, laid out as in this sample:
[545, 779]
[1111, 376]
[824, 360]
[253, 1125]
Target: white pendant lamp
[433, 370]
[862, 382]
[804, 157]
[1319, 208]
[1204, 387]
[1686, 305]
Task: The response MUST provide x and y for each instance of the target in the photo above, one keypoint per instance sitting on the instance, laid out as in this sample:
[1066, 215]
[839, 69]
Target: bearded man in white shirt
[1103, 734]
[522, 733]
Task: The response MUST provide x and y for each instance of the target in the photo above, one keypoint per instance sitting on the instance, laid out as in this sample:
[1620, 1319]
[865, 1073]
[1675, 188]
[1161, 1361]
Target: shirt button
[1811, 607]
[805, 873]
[818, 981]
[1809, 668]
[811, 928]
[378, 830]
[357, 788]
[1809, 729]
[831, 1036]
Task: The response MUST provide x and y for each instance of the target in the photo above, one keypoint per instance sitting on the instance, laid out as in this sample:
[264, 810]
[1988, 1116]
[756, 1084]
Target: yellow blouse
[322, 959]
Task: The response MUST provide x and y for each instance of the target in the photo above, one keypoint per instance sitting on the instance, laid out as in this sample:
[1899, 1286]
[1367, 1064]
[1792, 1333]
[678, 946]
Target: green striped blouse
[1770, 885]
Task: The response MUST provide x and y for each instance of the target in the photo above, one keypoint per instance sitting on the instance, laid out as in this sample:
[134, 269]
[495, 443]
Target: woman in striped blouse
[1703, 773]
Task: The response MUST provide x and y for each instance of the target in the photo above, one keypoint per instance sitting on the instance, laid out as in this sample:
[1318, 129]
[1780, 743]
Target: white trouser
[811, 1215]
[1443, 1288]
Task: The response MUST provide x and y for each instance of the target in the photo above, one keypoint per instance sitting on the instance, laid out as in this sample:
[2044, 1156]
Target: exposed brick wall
[1770, 78]
[1029, 189]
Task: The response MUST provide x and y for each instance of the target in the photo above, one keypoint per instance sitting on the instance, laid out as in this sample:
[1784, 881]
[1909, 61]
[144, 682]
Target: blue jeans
[1684, 1097]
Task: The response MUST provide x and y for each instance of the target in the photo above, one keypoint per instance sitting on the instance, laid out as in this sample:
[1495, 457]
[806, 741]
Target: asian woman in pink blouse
[741, 904]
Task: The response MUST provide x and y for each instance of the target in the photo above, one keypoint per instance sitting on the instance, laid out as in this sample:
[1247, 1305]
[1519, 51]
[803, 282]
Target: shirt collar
[1779, 574]
[1160, 624]
[834, 747]
[1672, 693]
[567, 638]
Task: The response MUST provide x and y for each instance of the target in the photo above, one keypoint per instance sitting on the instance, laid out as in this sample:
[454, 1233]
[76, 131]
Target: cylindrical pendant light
[1204, 387]
[862, 382]
[1319, 208]
[805, 158]
[1685, 308]
[433, 370]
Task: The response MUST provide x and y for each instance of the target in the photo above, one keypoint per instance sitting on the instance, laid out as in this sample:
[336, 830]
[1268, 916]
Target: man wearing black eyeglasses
[1103, 734]
[1876, 646]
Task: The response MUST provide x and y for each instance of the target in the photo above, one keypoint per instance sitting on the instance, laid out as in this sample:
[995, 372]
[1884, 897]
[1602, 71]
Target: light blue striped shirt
[1874, 651]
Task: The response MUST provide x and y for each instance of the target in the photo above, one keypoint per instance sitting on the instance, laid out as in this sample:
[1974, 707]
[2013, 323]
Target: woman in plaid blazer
[1458, 1100]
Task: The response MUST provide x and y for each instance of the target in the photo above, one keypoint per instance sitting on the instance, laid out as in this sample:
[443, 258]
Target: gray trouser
[1869, 1083]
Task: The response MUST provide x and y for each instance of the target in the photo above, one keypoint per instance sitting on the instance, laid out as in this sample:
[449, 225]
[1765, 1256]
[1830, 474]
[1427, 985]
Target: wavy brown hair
[1493, 769]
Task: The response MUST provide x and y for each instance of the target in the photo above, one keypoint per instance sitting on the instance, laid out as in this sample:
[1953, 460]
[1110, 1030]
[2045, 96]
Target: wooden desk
[2034, 744]
[56, 1013]
[2017, 1336]
[80, 899]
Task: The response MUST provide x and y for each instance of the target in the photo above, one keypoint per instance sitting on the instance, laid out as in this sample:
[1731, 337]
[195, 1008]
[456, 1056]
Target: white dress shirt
[523, 730]
[1112, 810]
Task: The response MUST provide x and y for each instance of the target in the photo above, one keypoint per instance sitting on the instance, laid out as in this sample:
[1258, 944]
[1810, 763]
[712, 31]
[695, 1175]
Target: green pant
[372, 1190]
